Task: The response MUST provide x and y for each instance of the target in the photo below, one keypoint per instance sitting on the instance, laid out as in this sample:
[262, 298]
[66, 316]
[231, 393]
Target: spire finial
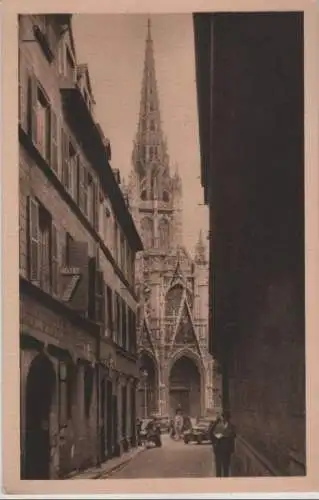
[149, 37]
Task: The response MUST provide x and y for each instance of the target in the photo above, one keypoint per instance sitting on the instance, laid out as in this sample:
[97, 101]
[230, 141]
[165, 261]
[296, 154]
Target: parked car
[145, 426]
[199, 432]
[164, 423]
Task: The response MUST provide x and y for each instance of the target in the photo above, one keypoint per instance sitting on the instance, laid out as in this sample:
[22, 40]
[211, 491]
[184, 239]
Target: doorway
[185, 387]
[109, 423]
[40, 387]
[103, 418]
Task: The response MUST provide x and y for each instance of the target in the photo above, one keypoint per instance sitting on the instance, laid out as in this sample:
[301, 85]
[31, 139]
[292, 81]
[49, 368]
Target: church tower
[173, 359]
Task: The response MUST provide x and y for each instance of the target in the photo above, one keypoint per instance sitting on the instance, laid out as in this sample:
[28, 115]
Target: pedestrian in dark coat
[138, 431]
[223, 440]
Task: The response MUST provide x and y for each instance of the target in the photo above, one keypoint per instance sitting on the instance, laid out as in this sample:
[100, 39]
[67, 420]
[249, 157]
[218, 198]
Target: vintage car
[199, 432]
[164, 423]
[150, 433]
[145, 425]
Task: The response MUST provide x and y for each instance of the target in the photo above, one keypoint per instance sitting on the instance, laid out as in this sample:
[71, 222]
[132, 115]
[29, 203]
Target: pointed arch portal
[185, 387]
[148, 393]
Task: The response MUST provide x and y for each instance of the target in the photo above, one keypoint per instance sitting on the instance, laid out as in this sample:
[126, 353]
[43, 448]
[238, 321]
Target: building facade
[250, 104]
[175, 365]
[78, 241]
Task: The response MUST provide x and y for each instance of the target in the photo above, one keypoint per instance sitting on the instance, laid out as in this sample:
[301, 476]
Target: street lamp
[145, 374]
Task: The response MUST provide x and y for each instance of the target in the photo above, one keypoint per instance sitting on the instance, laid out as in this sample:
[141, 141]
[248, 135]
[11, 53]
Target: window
[44, 239]
[116, 230]
[117, 311]
[122, 247]
[68, 240]
[118, 319]
[34, 232]
[132, 267]
[93, 202]
[102, 217]
[42, 112]
[96, 206]
[109, 310]
[147, 232]
[107, 215]
[163, 233]
[43, 248]
[128, 262]
[115, 316]
[72, 170]
[165, 196]
[124, 325]
[69, 165]
[37, 118]
[143, 195]
[54, 259]
[54, 153]
[99, 298]
[152, 125]
[23, 91]
[83, 187]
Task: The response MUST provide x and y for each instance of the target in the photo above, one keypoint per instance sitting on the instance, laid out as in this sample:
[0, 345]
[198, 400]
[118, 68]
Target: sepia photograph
[161, 245]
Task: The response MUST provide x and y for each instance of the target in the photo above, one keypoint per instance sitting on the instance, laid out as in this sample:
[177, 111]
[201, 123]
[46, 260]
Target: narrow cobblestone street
[174, 459]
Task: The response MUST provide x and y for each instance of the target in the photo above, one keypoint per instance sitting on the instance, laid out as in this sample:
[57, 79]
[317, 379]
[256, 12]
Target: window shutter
[65, 159]
[34, 108]
[96, 206]
[54, 260]
[124, 325]
[99, 299]
[34, 237]
[80, 183]
[23, 93]
[110, 313]
[20, 78]
[54, 160]
[92, 286]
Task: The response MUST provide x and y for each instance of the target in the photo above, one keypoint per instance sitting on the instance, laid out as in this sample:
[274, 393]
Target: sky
[113, 46]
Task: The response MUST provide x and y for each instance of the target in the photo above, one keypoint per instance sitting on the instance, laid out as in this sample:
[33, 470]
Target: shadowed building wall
[250, 102]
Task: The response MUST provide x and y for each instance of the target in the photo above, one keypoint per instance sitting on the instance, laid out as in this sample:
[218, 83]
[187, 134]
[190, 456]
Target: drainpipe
[98, 409]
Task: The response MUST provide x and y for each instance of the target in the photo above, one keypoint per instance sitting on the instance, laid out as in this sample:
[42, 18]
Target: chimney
[117, 176]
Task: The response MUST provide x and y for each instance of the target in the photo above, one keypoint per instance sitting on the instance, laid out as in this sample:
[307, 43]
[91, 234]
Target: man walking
[223, 440]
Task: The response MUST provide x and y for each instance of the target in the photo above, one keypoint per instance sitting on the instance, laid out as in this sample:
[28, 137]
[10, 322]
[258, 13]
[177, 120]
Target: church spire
[200, 250]
[150, 159]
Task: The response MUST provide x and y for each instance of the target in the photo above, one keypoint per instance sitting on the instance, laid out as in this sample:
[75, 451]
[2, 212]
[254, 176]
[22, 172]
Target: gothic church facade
[176, 367]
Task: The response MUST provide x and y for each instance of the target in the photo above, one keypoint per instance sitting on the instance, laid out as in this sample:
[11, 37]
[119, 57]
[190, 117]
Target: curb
[101, 474]
[120, 465]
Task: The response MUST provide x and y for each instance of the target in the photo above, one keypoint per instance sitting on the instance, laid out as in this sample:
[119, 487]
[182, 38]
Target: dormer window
[44, 34]
[70, 65]
[87, 98]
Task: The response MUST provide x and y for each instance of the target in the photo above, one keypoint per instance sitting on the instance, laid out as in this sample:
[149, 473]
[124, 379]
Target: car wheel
[199, 440]
[186, 440]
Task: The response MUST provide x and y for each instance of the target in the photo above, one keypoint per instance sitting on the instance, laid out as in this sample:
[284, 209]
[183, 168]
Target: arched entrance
[40, 387]
[185, 387]
[148, 393]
